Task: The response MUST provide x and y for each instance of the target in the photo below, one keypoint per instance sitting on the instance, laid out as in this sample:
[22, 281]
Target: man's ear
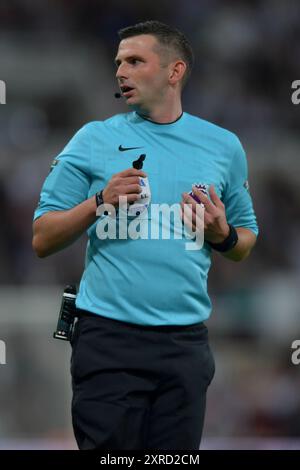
[177, 70]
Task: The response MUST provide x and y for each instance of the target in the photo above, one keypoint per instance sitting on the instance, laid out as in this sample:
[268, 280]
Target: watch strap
[99, 198]
[229, 241]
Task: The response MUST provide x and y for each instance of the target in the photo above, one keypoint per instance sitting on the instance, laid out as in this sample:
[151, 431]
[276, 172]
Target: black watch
[99, 198]
[228, 243]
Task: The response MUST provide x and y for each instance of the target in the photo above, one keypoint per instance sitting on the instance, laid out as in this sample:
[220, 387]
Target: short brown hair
[168, 37]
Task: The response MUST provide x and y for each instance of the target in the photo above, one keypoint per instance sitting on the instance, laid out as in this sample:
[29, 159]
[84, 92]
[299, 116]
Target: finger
[186, 216]
[130, 180]
[132, 172]
[130, 189]
[187, 208]
[195, 202]
[189, 213]
[198, 215]
[198, 208]
[214, 197]
[187, 199]
[204, 199]
[193, 221]
[132, 197]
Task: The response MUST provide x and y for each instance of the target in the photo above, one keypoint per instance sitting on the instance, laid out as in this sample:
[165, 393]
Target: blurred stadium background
[56, 58]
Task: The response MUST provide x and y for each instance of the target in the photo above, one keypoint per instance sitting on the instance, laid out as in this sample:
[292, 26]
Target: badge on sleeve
[246, 185]
[55, 162]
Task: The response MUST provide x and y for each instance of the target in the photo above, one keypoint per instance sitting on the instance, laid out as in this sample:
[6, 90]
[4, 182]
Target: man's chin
[133, 104]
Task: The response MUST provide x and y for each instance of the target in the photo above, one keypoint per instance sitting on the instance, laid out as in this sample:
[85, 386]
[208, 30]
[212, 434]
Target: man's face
[140, 70]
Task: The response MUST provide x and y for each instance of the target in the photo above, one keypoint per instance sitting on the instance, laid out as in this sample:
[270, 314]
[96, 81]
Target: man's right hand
[126, 183]
[55, 230]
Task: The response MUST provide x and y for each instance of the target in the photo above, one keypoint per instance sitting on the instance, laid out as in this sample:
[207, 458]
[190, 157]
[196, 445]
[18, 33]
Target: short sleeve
[68, 181]
[237, 198]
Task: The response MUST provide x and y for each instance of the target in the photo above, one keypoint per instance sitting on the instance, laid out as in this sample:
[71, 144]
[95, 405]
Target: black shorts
[139, 387]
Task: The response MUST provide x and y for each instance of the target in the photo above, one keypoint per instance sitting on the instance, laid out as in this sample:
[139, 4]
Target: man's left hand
[216, 228]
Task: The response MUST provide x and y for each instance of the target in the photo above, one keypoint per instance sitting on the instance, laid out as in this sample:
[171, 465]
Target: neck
[162, 113]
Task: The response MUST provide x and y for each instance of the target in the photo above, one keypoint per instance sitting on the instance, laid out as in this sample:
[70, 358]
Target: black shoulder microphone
[117, 95]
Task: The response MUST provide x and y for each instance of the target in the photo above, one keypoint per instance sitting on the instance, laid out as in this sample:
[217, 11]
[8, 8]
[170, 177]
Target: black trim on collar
[160, 123]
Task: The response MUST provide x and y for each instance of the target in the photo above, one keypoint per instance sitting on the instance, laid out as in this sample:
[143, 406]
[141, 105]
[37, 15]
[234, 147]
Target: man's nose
[122, 71]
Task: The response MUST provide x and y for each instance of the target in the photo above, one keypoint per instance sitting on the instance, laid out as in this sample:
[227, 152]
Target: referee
[141, 362]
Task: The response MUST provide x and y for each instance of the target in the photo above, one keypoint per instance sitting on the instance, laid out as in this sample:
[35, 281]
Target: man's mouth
[126, 90]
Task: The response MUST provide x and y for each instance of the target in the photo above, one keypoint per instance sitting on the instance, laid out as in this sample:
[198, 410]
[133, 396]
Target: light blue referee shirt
[149, 281]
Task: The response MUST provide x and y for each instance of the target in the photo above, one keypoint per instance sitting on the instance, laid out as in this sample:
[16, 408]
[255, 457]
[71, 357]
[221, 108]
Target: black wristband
[228, 243]
[99, 198]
